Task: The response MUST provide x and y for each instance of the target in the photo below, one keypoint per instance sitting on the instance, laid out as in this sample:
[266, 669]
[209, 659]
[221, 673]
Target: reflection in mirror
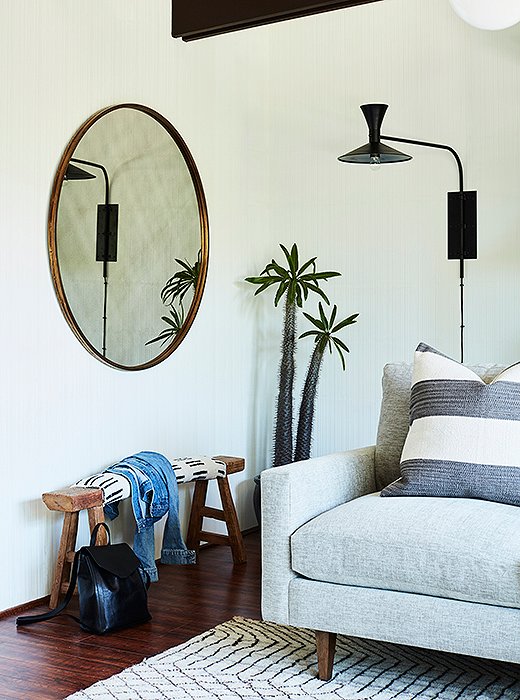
[128, 236]
[173, 295]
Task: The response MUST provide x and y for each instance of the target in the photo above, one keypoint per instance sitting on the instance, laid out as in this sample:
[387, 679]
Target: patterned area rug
[251, 660]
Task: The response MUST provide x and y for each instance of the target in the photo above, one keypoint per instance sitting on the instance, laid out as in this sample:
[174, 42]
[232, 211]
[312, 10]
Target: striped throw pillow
[464, 436]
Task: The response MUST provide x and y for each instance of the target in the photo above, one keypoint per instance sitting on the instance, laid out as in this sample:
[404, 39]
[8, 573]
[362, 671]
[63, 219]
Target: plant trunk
[283, 434]
[306, 419]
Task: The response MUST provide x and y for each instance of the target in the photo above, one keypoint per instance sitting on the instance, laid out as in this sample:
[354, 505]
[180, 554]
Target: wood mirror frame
[53, 236]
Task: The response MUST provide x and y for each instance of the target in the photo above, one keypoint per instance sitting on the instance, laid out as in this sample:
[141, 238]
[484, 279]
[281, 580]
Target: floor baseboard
[23, 607]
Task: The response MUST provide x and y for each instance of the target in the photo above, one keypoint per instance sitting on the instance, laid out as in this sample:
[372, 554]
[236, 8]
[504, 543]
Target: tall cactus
[302, 449]
[295, 282]
[283, 431]
[323, 338]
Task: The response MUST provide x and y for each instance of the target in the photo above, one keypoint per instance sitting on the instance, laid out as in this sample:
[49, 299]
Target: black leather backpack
[112, 588]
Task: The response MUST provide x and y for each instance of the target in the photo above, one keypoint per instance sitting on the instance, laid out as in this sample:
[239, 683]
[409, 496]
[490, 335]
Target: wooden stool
[228, 514]
[70, 501]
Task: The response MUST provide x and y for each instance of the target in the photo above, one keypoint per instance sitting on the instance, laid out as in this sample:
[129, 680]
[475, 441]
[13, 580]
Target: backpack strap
[31, 619]
[93, 536]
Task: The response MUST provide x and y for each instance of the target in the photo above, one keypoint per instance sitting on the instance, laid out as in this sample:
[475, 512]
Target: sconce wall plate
[462, 206]
[106, 234]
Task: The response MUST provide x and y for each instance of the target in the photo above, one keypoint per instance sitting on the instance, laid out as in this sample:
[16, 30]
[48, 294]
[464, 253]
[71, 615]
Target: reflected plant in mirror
[109, 260]
[173, 294]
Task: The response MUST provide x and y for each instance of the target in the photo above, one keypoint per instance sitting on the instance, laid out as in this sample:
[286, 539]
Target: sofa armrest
[291, 496]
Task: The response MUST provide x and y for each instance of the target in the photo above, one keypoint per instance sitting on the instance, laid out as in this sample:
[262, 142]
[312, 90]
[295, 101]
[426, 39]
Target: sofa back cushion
[394, 419]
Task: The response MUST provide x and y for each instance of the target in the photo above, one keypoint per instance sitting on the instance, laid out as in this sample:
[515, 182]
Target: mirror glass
[128, 236]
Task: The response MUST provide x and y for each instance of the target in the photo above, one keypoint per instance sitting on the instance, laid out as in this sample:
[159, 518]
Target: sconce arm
[462, 224]
[428, 144]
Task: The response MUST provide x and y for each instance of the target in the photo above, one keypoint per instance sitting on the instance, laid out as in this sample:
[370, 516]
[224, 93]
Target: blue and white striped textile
[116, 487]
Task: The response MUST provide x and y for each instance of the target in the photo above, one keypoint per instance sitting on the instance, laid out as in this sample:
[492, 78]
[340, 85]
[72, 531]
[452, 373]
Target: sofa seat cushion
[459, 548]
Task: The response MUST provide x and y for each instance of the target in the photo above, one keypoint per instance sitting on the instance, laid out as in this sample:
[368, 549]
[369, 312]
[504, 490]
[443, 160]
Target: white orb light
[488, 14]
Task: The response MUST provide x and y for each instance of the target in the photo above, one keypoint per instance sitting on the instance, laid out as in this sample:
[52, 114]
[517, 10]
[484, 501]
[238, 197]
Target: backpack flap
[118, 559]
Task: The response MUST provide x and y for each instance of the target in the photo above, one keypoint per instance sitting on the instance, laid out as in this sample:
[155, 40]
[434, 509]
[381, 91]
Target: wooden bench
[74, 499]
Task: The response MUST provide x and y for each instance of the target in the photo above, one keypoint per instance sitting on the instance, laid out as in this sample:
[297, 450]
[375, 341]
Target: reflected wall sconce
[75, 173]
[462, 205]
[107, 223]
[484, 14]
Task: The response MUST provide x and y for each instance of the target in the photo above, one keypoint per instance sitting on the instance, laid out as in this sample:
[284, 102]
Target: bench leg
[325, 646]
[195, 523]
[97, 515]
[67, 544]
[235, 536]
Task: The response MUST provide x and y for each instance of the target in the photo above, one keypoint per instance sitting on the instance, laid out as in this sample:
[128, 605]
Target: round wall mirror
[128, 236]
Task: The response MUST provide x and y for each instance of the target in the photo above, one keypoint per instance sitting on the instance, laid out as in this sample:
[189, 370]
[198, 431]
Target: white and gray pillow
[464, 436]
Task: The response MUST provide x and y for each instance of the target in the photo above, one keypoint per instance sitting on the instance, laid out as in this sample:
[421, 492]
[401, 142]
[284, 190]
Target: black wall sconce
[107, 223]
[462, 205]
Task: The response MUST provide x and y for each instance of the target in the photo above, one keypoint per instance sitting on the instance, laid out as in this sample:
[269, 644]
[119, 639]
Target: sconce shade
[374, 152]
[75, 173]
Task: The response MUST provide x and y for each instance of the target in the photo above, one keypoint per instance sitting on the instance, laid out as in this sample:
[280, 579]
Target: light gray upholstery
[393, 422]
[448, 547]
[407, 618]
[293, 495]
[438, 573]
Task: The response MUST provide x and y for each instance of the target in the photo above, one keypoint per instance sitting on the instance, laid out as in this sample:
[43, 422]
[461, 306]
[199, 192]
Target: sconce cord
[454, 153]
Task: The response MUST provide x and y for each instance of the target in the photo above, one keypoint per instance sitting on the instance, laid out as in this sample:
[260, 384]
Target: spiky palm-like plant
[323, 339]
[295, 282]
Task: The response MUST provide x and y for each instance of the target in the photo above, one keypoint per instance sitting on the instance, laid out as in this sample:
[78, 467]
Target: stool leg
[67, 544]
[235, 535]
[195, 524]
[97, 515]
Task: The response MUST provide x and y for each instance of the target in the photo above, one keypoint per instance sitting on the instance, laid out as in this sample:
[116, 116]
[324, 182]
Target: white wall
[266, 113]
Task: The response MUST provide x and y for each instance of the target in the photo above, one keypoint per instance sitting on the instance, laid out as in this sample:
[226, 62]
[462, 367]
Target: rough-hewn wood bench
[74, 499]
[71, 501]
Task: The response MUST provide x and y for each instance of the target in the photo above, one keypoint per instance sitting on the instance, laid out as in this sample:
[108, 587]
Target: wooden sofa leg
[325, 646]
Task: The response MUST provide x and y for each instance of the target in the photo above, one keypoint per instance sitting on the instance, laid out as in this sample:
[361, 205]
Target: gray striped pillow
[464, 436]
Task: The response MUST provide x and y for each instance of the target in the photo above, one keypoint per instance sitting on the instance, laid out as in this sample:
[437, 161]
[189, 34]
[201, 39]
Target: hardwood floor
[52, 659]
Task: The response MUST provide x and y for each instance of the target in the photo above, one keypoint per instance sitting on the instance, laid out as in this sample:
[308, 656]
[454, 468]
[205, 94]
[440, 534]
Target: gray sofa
[440, 573]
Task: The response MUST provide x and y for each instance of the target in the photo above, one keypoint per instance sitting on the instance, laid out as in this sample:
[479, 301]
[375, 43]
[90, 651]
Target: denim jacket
[154, 494]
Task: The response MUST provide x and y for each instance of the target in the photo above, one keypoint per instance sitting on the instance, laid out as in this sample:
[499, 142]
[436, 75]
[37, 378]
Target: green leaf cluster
[172, 295]
[174, 325]
[326, 327]
[182, 281]
[295, 280]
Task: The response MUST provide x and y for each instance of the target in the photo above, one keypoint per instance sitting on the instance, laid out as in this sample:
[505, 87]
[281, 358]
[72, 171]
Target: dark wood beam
[197, 19]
